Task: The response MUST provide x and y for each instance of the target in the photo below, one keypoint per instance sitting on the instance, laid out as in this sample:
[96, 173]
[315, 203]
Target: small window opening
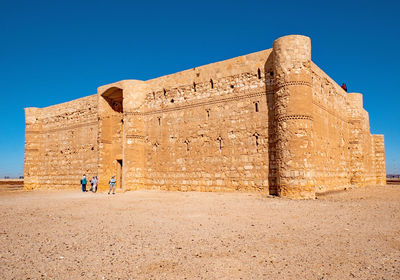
[211, 83]
[154, 95]
[194, 86]
[271, 73]
[187, 144]
[208, 113]
[256, 136]
[91, 149]
[172, 100]
[256, 106]
[220, 142]
[159, 120]
[165, 92]
[232, 86]
[259, 73]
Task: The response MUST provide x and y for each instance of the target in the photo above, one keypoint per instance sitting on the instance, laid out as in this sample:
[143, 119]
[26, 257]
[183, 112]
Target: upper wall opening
[114, 98]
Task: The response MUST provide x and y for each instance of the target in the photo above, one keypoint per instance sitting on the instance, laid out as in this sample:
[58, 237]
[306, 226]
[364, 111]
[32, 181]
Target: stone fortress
[269, 121]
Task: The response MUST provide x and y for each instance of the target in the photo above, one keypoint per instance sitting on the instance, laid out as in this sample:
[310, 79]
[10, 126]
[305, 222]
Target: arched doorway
[111, 131]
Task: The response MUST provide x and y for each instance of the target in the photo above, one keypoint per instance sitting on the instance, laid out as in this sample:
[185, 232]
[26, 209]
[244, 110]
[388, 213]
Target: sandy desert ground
[353, 234]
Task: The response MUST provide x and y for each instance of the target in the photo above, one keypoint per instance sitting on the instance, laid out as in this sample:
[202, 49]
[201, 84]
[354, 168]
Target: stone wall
[61, 144]
[294, 117]
[270, 121]
[331, 133]
[344, 147]
[202, 129]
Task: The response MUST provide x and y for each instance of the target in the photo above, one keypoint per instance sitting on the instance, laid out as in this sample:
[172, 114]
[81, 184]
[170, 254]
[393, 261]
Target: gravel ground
[353, 234]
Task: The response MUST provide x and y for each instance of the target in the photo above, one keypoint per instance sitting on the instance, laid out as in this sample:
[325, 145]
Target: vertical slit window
[208, 113]
[220, 142]
[256, 136]
[187, 144]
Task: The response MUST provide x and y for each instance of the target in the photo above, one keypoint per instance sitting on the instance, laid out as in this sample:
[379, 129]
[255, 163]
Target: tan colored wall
[344, 147]
[61, 144]
[294, 117]
[331, 133]
[380, 166]
[269, 121]
[201, 135]
[33, 139]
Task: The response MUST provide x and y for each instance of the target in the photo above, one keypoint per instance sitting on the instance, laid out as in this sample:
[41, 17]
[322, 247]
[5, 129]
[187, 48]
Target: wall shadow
[272, 166]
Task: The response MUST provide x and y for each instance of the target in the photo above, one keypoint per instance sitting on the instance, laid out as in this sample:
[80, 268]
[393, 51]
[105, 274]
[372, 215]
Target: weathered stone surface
[269, 121]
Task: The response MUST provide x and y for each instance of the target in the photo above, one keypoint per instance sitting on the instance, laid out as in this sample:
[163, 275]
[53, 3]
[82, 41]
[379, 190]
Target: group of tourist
[94, 183]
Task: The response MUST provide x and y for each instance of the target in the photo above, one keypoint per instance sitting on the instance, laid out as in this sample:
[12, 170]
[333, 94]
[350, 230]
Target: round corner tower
[293, 116]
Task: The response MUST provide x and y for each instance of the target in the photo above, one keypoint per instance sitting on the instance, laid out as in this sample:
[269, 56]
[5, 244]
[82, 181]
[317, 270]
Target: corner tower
[293, 116]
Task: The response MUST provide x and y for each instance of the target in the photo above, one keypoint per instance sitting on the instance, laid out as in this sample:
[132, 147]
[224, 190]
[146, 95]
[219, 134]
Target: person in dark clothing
[83, 183]
[344, 87]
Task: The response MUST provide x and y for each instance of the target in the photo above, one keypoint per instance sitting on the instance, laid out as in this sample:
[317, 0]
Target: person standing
[112, 185]
[93, 184]
[96, 181]
[83, 183]
[344, 87]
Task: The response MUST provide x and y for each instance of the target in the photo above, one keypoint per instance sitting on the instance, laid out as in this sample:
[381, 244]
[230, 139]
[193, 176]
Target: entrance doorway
[119, 174]
[111, 128]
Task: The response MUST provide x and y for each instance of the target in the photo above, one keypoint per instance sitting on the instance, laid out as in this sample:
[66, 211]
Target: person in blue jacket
[83, 183]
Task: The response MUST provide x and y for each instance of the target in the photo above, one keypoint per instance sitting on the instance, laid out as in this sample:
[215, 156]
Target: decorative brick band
[32, 131]
[135, 136]
[69, 127]
[329, 111]
[295, 117]
[211, 102]
[293, 83]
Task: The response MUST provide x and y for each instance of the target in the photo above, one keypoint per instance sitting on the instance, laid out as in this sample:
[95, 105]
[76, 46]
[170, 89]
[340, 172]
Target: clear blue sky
[56, 51]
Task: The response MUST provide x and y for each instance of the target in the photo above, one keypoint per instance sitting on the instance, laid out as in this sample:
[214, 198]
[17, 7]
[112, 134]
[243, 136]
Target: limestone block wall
[379, 158]
[206, 128]
[294, 117]
[269, 121]
[33, 136]
[110, 112]
[344, 147]
[61, 144]
[331, 133]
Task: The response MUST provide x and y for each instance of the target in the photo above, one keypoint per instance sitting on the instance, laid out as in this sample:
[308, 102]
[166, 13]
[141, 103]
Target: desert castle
[268, 121]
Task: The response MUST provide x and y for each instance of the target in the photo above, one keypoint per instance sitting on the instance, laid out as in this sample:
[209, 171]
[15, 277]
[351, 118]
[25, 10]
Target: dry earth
[174, 235]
